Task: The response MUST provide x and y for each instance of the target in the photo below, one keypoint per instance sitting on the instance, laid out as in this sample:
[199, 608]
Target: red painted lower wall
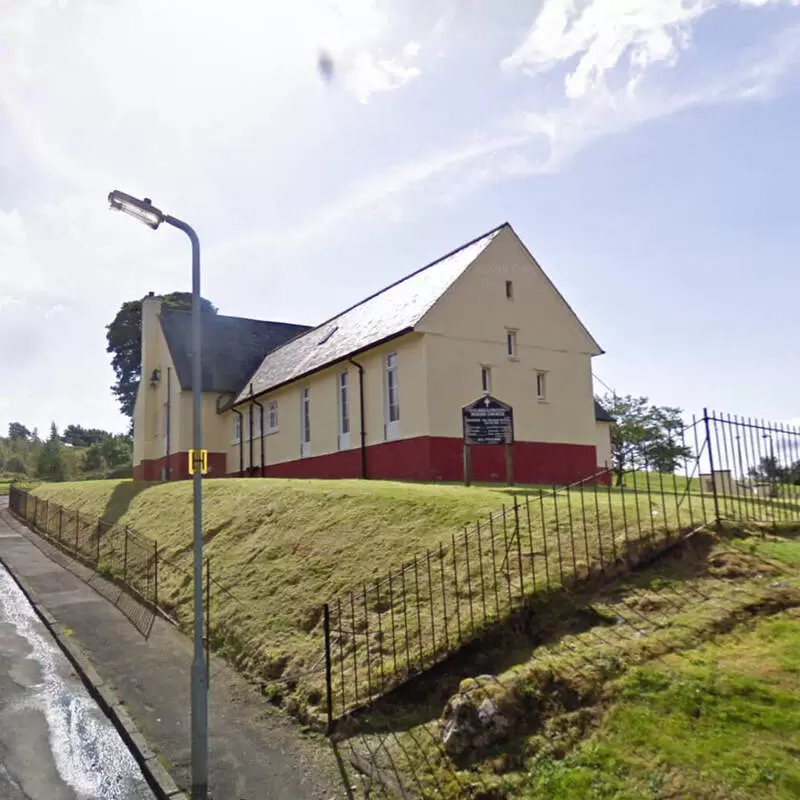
[425, 458]
[177, 465]
[429, 458]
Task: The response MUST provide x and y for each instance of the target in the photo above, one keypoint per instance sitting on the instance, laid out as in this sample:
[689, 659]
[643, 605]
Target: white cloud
[19, 271]
[536, 142]
[601, 34]
[368, 75]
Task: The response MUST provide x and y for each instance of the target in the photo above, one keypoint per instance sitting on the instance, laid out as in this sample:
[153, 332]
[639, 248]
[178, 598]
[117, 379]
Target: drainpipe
[260, 428]
[361, 416]
[250, 437]
[241, 441]
[169, 423]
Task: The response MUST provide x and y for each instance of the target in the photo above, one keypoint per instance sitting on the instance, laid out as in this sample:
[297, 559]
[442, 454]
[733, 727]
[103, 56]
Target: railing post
[77, 529]
[718, 518]
[519, 549]
[125, 558]
[326, 627]
[155, 574]
[60, 522]
[99, 522]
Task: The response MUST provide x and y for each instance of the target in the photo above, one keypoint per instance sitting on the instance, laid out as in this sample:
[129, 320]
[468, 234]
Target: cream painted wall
[603, 443]
[216, 437]
[284, 445]
[149, 442]
[466, 329]
[148, 429]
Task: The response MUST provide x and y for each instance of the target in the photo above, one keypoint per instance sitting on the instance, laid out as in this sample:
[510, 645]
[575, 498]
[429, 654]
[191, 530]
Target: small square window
[509, 290]
[541, 386]
[486, 379]
[511, 343]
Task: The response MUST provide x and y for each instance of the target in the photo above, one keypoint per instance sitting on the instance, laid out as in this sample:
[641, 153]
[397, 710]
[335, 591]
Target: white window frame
[237, 429]
[256, 422]
[486, 379]
[512, 346]
[343, 409]
[305, 422]
[391, 384]
[541, 386]
[272, 416]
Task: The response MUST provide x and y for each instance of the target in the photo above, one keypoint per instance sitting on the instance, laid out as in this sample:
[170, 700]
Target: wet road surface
[55, 742]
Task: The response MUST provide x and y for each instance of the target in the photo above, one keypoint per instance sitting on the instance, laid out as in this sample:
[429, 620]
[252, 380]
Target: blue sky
[644, 151]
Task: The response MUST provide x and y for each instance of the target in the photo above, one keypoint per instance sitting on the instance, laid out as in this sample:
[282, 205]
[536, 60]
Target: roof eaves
[326, 365]
[311, 331]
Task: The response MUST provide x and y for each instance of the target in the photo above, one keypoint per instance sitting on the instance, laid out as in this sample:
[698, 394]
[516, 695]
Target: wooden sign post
[487, 420]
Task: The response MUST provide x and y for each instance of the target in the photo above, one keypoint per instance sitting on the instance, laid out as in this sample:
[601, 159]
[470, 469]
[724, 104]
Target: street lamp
[146, 212]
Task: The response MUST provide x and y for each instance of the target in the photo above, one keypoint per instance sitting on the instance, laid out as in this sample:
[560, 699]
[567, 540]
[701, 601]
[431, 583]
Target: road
[55, 742]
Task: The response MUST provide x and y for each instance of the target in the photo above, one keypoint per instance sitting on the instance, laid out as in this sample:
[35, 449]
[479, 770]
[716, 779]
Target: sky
[644, 150]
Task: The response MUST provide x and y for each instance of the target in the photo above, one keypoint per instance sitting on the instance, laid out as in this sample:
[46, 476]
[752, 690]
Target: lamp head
[143, 210]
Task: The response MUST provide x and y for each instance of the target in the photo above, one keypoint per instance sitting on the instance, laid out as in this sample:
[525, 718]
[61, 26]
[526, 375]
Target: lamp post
[145, 212]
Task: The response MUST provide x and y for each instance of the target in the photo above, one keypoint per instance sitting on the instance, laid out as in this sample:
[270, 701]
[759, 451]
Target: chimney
[151, 308]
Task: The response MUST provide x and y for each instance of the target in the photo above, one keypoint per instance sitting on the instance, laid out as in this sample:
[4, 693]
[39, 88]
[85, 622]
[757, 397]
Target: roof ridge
[455, 256]
[407, 277]
[172, 310]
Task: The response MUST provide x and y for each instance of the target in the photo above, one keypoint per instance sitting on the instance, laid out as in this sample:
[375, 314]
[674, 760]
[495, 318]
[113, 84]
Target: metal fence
[384, 633]
[111, 549]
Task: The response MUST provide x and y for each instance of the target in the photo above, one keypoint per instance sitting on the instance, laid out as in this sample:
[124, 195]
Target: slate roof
[233, 347]
[382, 316]
[600, 414]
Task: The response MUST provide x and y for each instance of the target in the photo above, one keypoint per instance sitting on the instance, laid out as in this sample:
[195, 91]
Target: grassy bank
[683, 681]
[279, 549]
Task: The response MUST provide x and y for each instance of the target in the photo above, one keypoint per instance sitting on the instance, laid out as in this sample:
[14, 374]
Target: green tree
[116, 451]
[93, 460]
[17, 431]
[124, 339]
[78, 436]
[50, 465]
[16, 465]
[770, 469]
[644, 436]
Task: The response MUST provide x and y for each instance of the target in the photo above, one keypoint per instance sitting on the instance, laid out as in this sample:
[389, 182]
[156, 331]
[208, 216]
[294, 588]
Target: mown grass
[5, 485]
[280, 549]
[722, 720]
[686, 685]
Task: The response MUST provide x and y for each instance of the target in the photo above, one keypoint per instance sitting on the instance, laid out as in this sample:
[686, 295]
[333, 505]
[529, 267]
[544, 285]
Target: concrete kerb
[154, 772]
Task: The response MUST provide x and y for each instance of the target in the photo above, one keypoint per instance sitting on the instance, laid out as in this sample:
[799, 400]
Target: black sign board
[488, 421]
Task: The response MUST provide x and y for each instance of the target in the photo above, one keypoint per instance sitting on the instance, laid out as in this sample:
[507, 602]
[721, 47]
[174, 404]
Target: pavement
[55, 742]
[255, 752]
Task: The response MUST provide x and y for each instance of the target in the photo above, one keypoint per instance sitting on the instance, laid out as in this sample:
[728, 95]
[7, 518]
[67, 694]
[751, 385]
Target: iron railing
[111, 549]
[382, 634]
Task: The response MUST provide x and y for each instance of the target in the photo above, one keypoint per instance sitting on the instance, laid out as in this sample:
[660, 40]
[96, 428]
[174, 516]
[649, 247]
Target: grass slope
[281, 547]
[685, 683]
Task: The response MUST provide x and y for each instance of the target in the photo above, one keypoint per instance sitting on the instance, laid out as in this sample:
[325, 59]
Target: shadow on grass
[120, 499]
[546, 618]
[703, 588]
